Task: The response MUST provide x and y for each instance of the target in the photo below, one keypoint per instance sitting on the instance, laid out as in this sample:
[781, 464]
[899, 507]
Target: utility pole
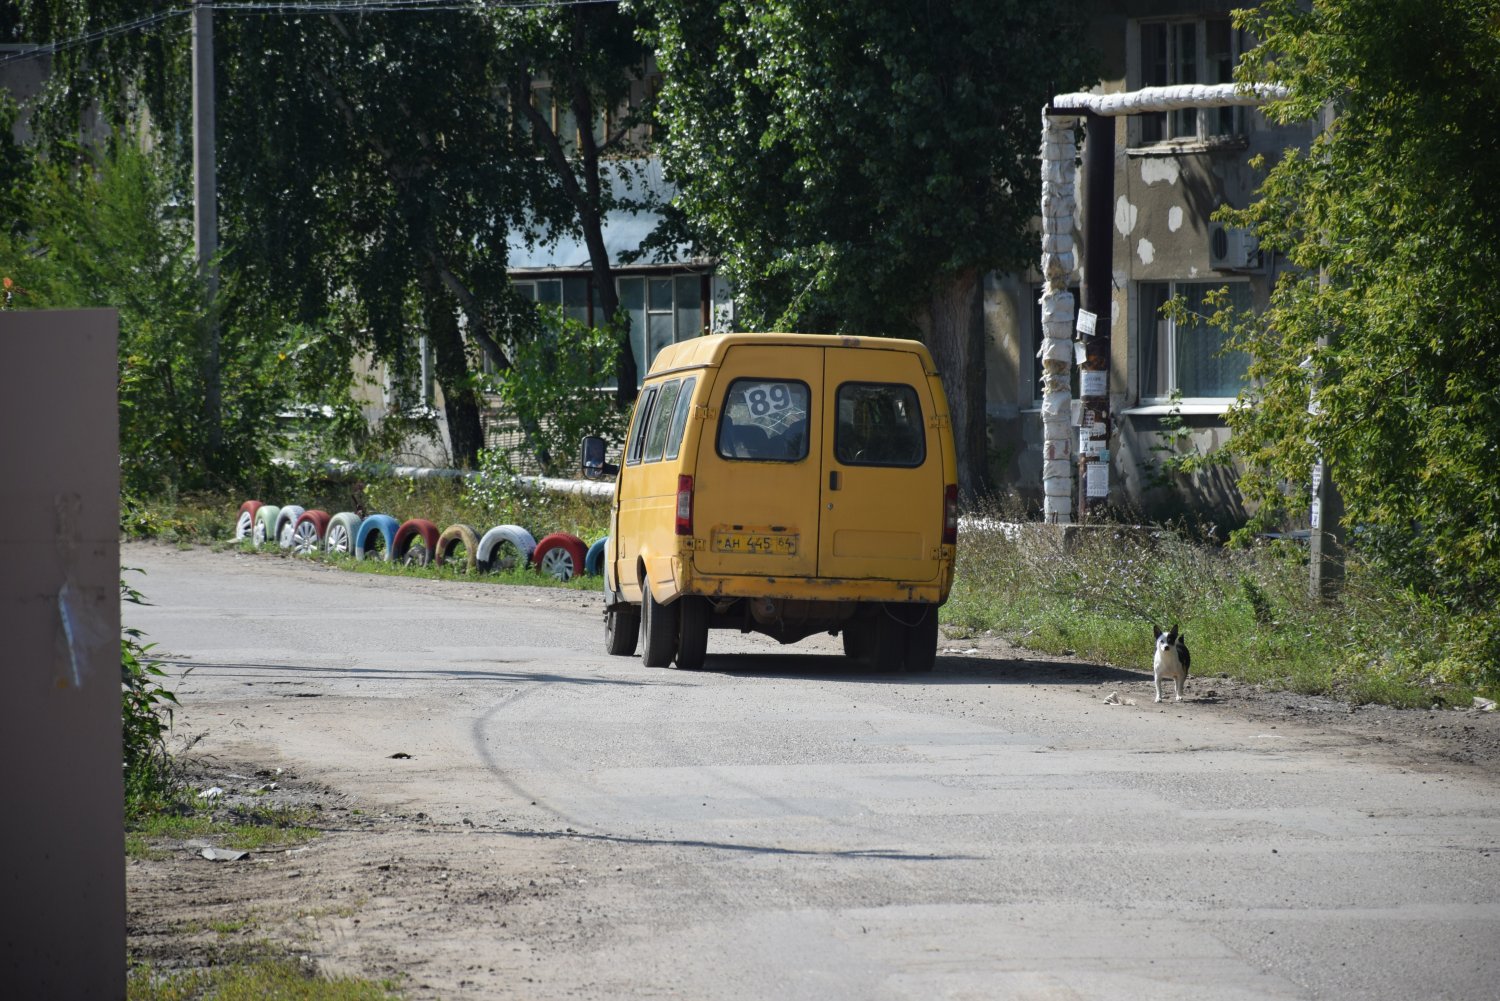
[1325, 564]
[206, 210]
[1098, 287]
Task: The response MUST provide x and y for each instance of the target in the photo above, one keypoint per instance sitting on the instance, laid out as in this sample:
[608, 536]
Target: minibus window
[679, 419]
[661, 421]
[638, 426]
[879, 424]
[764, 420]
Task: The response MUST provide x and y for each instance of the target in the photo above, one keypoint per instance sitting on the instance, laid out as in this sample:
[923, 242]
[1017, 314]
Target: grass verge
[1245, 613]
[285, 978]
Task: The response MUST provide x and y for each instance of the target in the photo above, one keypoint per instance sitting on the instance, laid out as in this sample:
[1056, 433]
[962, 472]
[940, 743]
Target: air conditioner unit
[1232, 249]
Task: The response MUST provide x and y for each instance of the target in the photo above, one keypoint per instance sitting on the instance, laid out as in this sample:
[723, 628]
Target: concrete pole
[206, 209]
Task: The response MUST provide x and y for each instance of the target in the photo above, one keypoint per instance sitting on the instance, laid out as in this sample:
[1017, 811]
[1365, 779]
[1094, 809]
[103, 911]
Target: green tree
[100, 229]
[369, 172]
[1381, 347]
[573, 81]
[859, 166]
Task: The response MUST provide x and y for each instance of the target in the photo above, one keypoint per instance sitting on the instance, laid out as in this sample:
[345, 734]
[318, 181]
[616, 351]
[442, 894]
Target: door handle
[833, 479]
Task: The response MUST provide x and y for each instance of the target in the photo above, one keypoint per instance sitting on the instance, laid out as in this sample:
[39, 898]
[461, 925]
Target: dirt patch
[378, 895]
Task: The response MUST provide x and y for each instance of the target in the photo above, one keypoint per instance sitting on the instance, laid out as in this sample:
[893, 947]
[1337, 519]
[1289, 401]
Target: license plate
[755, 543]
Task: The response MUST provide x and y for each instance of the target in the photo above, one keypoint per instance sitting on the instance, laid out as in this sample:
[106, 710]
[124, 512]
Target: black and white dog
[1171, 660]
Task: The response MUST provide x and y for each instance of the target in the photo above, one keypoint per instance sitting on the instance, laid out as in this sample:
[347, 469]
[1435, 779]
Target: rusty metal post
[1094, 327]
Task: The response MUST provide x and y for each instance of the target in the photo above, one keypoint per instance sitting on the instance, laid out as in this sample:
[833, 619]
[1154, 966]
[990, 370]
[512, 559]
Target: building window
[662, 311]
[1202, 50]
[1188, 359]
[408, 382]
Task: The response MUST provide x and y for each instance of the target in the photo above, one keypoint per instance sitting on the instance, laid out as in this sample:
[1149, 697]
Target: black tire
[659, 624]
[922, 640]
[859, 640]
[692, 632]
[889, 639]
[622, 629]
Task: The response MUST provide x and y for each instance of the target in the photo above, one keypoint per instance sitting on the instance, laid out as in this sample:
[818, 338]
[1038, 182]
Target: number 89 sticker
[766, 398]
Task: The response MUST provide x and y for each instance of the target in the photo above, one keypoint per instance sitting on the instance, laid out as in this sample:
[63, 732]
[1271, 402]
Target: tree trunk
[956, 339]
[451, 366]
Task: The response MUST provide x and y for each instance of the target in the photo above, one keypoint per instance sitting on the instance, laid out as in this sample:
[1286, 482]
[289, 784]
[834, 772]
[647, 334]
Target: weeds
[271, 976]
[1098, 591]
[146, 717]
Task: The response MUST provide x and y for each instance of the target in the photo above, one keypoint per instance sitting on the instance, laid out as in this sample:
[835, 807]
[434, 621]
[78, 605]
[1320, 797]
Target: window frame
[1168, 124]
[680, 417]
[633, 293]
[1168, 341]
[664, 409]
[920, 426]
[636, 442]
[724, 418]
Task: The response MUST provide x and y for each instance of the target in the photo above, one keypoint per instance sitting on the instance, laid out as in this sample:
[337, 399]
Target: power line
[48, 48]
[293, 7]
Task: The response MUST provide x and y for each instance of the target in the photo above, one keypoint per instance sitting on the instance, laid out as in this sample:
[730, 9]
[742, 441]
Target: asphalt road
[780, 826]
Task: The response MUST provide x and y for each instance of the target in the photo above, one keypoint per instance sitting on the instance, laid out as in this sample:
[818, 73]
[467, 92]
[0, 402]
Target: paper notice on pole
[1094, 384]
[1098, 479]
[1079, 354]
[1087, 322]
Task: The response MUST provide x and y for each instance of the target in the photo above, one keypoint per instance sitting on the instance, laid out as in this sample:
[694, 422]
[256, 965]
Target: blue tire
[376, 524]
[593, 560]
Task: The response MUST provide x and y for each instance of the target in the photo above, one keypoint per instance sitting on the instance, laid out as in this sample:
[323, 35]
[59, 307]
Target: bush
[146, 717]
[554, 388]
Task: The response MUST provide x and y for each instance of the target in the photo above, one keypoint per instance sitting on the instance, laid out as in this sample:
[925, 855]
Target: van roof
[709, 349]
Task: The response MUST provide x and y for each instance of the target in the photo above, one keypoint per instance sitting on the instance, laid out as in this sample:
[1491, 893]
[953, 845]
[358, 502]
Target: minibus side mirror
[594, 466]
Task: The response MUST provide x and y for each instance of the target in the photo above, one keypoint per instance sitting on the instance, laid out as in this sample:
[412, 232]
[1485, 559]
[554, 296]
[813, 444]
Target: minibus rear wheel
[659, 623]
[921, 642]
[692, 632]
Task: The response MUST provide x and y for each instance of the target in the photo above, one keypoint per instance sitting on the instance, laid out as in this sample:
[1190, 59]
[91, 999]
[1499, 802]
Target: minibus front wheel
[622, 628]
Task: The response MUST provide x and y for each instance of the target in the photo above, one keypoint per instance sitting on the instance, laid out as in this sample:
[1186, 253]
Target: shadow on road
[949, 670]
[270, 674]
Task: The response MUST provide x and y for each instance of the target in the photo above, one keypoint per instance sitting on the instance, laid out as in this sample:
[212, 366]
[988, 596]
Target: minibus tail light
[950, 513]
[684, 505]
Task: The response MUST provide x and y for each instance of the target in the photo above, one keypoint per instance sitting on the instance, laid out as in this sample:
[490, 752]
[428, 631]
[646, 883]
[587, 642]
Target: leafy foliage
[1379, 350]
[146, 717]
[369, 178]
[574, 79]
[859, 165]
[553, 388]
[100, 229]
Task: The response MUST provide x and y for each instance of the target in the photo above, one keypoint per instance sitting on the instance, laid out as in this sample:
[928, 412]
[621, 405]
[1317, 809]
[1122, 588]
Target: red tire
[244, 522]
[410, 531]
[308, 532]
[560, 555]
